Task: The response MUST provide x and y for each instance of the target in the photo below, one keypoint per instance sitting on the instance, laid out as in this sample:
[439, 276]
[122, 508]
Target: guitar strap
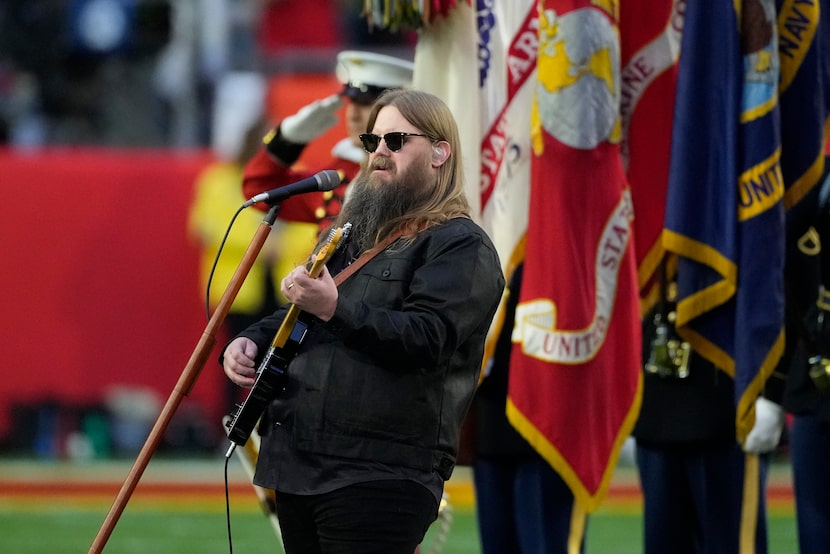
[371, 253]
[365, 257]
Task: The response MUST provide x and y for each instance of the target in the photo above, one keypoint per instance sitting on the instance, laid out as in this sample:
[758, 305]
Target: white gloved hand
[312, 120]
[769, 422]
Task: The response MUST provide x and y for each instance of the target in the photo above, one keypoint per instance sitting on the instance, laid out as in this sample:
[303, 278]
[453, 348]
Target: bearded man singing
[359, 443]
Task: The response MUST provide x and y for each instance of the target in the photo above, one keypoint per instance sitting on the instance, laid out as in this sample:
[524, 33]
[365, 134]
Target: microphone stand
[186, 380]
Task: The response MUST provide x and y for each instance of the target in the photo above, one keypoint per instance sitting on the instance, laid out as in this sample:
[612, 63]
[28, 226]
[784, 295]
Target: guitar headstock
[329, 246]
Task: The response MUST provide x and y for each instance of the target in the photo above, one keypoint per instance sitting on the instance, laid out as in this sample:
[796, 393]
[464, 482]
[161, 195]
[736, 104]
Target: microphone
[327, 179]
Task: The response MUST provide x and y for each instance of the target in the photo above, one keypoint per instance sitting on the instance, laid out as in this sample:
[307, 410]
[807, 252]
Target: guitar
[271, 374]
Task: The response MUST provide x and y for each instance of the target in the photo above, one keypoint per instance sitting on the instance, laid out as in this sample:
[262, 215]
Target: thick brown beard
[372, 203]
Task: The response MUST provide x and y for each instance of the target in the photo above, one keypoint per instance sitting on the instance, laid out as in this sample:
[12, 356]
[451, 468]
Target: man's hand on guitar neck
[317, 297]
[239, 363]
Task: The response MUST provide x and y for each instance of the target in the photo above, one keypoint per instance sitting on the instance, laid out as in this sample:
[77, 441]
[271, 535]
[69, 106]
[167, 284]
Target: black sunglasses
[394, 141]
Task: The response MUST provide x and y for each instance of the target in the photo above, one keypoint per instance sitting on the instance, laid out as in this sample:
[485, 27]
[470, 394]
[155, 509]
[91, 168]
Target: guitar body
[272, 374]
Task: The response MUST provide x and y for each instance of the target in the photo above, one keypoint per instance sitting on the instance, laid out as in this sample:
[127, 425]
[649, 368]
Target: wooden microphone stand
[186, 380]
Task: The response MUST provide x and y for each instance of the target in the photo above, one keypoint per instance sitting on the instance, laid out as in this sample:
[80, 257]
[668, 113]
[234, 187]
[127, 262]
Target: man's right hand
[312, 120]
[239, 363]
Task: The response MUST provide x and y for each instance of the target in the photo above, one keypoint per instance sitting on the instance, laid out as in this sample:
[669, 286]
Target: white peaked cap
[355, 68]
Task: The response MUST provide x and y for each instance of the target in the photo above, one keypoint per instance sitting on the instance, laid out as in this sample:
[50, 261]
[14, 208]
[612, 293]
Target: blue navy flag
[724, 212]
[804, 97]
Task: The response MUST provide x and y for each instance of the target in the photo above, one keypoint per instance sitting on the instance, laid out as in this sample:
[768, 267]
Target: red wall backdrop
[99, 279]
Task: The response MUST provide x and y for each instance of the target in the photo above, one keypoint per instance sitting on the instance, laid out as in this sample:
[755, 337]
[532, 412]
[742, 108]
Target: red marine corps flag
[575, 382]
[650, 49]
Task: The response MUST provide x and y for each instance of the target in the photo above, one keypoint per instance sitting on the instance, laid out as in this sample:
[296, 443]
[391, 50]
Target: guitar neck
[293, 311]
[287, 327]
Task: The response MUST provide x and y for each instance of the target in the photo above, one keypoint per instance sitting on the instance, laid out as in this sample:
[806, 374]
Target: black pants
[389, 517]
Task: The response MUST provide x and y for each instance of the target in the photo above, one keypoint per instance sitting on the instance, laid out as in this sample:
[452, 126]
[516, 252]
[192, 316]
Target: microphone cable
[216, 260]
[208, 316]
[228, 506]
[269, 219]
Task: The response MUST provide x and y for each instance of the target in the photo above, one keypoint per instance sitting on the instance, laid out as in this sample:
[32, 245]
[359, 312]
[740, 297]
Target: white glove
[312, 120]
[769, 422]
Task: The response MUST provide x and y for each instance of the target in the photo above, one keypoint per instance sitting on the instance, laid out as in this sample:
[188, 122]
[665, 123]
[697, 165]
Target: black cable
[228, 506]
[269, 219]
[216, 261]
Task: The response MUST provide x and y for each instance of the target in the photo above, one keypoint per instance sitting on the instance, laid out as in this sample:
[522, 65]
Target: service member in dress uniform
[700, 493]
[806, 363]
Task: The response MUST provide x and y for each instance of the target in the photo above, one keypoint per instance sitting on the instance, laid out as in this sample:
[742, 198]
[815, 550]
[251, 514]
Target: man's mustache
[382, 164]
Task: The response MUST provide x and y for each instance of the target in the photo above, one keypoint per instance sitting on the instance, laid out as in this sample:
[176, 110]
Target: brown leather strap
[372, 252]
[365, 257]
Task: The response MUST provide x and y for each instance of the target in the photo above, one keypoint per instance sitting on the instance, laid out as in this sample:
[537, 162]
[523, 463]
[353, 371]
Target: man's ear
[440, 153]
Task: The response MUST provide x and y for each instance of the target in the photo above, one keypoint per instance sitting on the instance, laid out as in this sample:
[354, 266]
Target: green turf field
[55, 529]
[179, 507]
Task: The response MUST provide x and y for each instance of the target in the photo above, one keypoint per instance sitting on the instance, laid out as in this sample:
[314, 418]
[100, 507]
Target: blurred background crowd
[126, 72]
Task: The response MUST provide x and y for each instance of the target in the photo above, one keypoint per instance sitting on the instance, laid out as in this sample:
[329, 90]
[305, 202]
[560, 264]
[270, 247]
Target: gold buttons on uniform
[269, 136]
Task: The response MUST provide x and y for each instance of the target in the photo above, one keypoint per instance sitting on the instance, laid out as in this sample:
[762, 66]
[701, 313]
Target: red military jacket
[272, 168]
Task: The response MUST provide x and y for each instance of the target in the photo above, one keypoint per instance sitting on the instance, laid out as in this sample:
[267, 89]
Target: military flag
[575, 376]
[507, 46]
[650, 49]
[495, 48]
[804, 97]
[724, 213]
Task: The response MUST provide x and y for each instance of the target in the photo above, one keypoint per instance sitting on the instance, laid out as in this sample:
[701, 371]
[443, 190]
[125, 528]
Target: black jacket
[807, 271]
[390, 377]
